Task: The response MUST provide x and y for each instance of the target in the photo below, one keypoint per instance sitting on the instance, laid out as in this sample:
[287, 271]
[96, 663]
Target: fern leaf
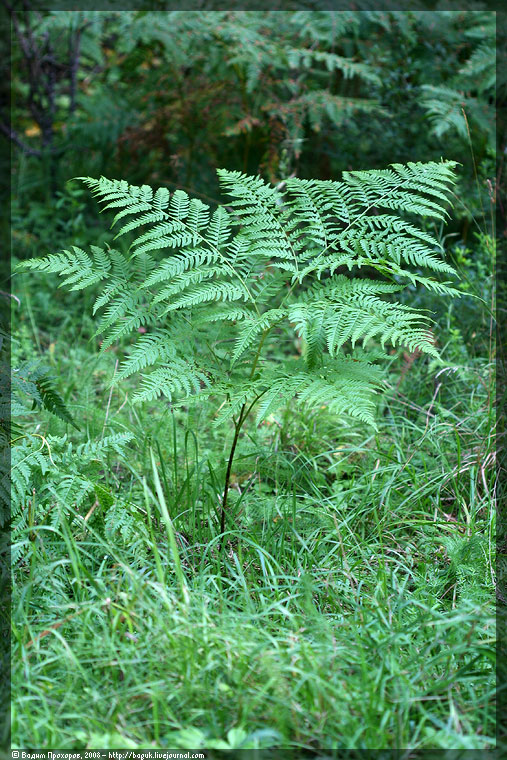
[182, 281]
[252, 328]
[79, 269]
[178, 377]
[34, 381]
[405, 187]
[179, 263]
[207, 292]
[148, 350]
[343, 310]
[219, 230]
[257, 205]
[224, 314]
[242, 265]
[52, 401]
[344, 386]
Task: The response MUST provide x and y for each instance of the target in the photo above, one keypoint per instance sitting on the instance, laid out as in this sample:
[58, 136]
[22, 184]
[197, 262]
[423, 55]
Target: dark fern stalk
[243, 414]
[278, 261]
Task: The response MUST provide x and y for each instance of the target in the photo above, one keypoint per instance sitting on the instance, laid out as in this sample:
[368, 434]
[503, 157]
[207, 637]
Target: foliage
[272, 92]
[387, 583]
[359, 572]
[35, 382]
[311, 229]
[461, 100]
[219, 279]
[263, 571]
[49, 474]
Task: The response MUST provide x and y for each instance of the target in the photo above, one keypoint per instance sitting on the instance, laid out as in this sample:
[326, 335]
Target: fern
[469, 94]
[251, 328]
[344, 386]
[48, 473]
[215, 291]
[36, 498]
[170, 379]
[33, 382]
[79, 269]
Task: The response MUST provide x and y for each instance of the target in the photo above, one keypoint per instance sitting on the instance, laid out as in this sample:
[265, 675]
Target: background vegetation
[356, 605]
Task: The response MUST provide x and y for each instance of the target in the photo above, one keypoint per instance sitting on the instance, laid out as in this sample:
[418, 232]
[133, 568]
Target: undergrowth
[356, 606]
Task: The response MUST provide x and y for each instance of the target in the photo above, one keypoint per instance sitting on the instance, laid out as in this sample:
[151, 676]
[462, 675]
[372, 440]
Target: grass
[352, 608]
[327, 659]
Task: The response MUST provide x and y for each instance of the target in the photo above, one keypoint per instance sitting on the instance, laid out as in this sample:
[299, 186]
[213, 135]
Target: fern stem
[238, 425]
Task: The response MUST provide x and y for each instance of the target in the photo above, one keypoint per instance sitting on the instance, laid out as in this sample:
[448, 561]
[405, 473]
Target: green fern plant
[217, 291]
[33, 382]
[49, 474]
[470, 92]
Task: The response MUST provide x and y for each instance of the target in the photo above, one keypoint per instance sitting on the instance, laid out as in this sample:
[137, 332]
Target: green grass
[352, 608]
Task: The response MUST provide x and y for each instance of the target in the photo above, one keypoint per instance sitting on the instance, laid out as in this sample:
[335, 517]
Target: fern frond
[257, 206]
[343, 385]
[178, 377]
[343, 310]
[151, 217]
[365, 322]
[25, 458]
[320, 206]
[252, 328]
[94, 449]
[340, 287]
[349, 68]
[481, 66]
[119, 194]
[182, 262]
[182, 281]
[180, 203]
[219, 230]
[198, 217]
[329, 264]
[148, 350]
[52, 401]
[224, 314]
[133, 318]
[320, 104]
[125, 302]
[75, 472]
[242, 264]
[390, 238]
[207, 292]
[141, 202]
[444, 106]
[79, 269]
[405, 187]
[170, 234]
[34, 381]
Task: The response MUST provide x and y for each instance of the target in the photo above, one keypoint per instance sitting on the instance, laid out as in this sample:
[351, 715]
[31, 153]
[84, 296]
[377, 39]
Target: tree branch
[9, 132]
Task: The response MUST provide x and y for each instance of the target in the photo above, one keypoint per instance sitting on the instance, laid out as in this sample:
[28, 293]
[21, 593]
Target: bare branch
[9, 132]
